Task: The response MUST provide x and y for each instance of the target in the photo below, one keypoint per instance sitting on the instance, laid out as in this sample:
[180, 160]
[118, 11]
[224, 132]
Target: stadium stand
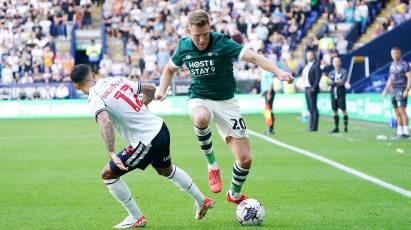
[29, 31]
[138, 37]
[149, 34]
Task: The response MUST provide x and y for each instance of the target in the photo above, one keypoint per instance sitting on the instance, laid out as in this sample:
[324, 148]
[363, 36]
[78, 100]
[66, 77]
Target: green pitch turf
[50, 178]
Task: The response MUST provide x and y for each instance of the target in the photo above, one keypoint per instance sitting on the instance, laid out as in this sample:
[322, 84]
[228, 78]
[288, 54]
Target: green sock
[235, 188]
[210, 158]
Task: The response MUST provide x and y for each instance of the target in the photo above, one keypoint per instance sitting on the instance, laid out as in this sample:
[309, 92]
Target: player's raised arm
[107, 132]
[148, 90]
[263, 62]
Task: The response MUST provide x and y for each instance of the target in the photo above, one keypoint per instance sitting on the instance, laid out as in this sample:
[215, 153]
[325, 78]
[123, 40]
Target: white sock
[119, 189]
[213, 166]
[406, 130]
[184, 182]
[399, 130]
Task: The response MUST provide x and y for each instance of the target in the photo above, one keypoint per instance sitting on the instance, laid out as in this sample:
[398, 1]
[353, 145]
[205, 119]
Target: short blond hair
[199, 18]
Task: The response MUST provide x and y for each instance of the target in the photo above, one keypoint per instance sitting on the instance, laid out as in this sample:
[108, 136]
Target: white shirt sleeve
[135, 85]
[96, 104]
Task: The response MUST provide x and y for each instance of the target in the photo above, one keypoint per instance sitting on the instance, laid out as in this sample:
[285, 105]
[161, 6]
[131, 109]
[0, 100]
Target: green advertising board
[368, 107]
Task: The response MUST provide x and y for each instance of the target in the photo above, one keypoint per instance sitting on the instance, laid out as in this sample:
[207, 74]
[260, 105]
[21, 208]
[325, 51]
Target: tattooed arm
[107, 132]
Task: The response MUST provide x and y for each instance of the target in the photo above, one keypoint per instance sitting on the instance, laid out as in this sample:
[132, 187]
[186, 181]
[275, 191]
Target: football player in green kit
[209, 56]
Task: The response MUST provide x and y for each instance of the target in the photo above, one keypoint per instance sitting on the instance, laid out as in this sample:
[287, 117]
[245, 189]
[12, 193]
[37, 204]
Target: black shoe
[335, 130]
[404, 136]
[345, 129]
[269, 132]
[311, 130]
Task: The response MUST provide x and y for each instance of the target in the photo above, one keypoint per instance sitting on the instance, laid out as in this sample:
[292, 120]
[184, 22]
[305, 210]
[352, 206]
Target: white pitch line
[334, 164]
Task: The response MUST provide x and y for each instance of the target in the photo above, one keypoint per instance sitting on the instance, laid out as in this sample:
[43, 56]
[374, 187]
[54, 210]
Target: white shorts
[226, 114]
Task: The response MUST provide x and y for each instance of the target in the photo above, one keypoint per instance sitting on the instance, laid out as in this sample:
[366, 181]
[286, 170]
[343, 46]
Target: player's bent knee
[201, 120]
[107, 174]
[164, 171]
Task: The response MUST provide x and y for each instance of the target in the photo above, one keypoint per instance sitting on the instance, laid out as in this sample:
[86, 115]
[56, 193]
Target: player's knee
[201, 120]
[107, 174]
[164, 171]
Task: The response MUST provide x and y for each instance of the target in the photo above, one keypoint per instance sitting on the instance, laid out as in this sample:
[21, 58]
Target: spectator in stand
[93, 52]
[326, 44]
[106, 64]
[86, 20]
[68, 64]
[349, 12]
[361, 14]
[329, 8]
[26, 79]
[342, 45]
[7, 74]
[48, 57]
[62, 92]
[37, 76]
[312, 44]
[47, 92]
[117, 69]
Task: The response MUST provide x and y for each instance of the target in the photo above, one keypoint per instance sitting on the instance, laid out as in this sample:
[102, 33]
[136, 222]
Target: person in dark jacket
[311, 76]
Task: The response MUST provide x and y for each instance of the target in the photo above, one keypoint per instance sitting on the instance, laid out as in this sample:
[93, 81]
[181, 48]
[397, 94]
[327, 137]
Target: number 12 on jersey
[134, 102]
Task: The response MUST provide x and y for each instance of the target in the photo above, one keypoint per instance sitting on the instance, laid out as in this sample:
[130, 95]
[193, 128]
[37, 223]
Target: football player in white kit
[115, 103]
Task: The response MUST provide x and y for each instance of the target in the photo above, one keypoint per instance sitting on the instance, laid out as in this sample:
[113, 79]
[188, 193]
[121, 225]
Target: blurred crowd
[400, 14]
[149, 31]
[29, 30]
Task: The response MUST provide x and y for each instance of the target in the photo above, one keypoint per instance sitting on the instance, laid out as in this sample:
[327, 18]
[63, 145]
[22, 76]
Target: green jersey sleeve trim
[240, 57]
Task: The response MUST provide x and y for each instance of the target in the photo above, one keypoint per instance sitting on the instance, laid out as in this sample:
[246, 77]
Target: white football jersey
[130, 117]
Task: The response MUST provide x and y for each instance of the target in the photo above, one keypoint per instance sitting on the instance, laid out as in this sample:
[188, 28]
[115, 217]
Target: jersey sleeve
[232, 49]
[175, 59]
[96, 104]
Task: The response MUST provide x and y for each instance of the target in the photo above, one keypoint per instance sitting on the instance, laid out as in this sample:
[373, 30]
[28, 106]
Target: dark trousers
[311, 98]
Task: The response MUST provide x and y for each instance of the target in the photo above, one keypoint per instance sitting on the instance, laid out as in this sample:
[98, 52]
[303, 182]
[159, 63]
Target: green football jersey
[212, 69]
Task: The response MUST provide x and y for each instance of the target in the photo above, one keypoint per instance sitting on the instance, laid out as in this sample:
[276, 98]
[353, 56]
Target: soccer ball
[250, 212]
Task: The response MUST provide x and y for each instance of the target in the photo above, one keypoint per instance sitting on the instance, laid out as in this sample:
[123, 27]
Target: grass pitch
[51, 178]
